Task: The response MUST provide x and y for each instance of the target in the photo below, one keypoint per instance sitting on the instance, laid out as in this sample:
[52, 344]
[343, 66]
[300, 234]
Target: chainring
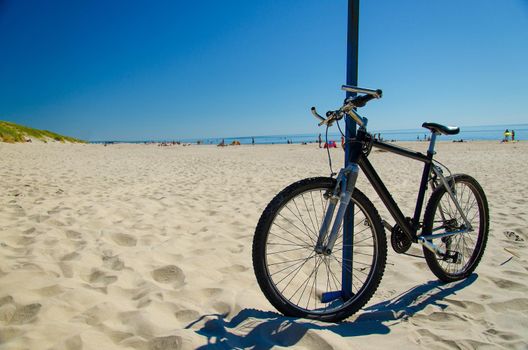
[400, 242]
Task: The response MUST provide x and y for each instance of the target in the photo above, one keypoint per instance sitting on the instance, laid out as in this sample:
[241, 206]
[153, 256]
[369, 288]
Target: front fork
[346, 182]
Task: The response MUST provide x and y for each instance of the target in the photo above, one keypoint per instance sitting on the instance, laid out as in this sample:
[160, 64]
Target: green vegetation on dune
[11, 132]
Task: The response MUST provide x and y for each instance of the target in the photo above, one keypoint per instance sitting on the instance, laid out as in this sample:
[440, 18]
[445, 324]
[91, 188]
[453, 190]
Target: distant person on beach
[506, 135]
[320, 140]
[342, 142]
[513, 135]
[253, 141]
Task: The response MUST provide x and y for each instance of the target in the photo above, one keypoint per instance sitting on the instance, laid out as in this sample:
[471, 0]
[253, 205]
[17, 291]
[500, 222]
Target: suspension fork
[346, 182]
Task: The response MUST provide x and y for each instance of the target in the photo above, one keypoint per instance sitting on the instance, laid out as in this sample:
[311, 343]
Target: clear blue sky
[132, 70]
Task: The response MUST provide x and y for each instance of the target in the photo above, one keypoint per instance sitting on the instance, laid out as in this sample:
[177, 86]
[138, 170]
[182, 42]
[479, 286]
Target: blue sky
[133, 70]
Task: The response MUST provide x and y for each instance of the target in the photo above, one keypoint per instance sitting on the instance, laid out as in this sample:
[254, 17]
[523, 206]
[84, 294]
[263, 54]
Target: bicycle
[304, 264]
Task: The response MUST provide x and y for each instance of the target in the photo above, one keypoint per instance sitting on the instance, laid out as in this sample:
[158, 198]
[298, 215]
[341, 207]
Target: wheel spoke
[291, 223]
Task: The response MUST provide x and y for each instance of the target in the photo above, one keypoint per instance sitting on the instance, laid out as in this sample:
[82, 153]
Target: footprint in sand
[512, 236]
[508, 336]
[70, 256]
[98, 277]
[124, 240]
[209, 293]
[113, 263]
[6, 313]
[96, 314]
[238, 249]
[66, 269]
[234, 268]
[30, 231]
[50, 291]
[140, 293]
[143, 303]
[187, 315]
[8, 299]
[73, 343]
[221, 307]
[25, 241]
[7, 309]
[169, 274]
[508, 284]
[165, 343]
[25, 314]
[73, 234]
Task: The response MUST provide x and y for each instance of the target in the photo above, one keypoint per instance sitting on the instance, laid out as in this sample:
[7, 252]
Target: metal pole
[351, 79]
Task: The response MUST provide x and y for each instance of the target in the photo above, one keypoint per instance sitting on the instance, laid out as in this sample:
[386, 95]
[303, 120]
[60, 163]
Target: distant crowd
[509, 136]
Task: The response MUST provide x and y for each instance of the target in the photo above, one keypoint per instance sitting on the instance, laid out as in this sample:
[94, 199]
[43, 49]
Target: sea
[468, 133]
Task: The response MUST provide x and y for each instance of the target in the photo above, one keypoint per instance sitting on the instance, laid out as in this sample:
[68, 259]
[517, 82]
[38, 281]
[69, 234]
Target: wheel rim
[448, 217]
[301, 276]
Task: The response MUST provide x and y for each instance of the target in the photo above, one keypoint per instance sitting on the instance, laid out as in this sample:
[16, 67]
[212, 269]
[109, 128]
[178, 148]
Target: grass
[11, 133]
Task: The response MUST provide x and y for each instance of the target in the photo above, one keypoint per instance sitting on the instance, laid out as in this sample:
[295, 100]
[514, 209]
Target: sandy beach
[146, 247]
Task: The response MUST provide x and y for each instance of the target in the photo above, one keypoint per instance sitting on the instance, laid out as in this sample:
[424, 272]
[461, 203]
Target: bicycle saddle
[442, 129]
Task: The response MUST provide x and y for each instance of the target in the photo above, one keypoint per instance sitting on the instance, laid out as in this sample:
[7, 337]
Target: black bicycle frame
[411, 228]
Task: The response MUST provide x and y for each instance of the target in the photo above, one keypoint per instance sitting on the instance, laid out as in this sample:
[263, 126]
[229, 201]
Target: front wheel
[300, 282]
[441, 215]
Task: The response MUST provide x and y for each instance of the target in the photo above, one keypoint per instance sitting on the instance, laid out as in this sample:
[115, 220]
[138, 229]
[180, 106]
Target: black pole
[351, 79]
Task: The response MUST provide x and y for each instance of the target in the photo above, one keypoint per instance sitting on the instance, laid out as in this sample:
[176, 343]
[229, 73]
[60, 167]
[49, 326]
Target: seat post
[430, 151]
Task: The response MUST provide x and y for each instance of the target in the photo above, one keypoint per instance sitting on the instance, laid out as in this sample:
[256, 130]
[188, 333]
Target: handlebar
[376, 93]
[349, 106]
[361, 101]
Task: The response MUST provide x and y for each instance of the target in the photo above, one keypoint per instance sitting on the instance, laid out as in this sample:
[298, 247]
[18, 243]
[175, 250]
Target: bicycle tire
[440, 267]
[264, 254]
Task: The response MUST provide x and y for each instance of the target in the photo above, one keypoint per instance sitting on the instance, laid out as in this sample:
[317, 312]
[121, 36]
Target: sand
[146, 247]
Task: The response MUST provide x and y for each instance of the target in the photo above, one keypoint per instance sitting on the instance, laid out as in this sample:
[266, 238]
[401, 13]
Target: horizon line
[188, 139]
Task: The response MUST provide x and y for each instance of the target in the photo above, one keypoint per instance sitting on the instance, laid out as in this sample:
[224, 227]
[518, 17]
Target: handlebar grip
[316, 115]
[361, 101]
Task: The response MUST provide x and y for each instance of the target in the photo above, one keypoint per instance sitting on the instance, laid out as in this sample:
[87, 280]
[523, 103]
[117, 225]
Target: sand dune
[142, 247]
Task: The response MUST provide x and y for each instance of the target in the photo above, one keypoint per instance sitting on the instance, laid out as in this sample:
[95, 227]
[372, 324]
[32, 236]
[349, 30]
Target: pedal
[452, 256]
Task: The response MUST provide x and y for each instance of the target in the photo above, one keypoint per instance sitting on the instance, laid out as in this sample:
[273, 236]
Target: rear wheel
[302, 283]
[466, 249]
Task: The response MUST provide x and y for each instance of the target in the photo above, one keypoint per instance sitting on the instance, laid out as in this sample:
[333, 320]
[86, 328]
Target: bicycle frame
[410, 229]
[347, 179]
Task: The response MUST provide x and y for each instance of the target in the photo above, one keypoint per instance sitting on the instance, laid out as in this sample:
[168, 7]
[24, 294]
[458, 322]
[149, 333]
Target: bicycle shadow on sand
[263, 330]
